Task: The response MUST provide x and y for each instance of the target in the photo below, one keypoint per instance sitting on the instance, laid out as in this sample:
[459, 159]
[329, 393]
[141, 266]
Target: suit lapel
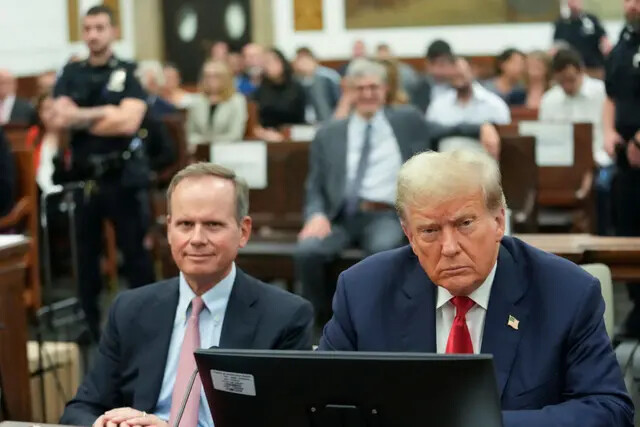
[499, 338]
[416, 308]
[242, 315]
[401, 133]
[156, 329]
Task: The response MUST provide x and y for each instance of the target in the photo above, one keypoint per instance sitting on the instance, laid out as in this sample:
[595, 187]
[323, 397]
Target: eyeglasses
[372, 87]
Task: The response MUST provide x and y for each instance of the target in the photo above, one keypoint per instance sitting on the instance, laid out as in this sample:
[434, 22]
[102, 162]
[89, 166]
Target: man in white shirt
[462, 287]
[578, 98]
[467, 103]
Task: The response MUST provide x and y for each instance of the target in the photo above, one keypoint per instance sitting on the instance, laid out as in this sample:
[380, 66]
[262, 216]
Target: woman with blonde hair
[218, 113]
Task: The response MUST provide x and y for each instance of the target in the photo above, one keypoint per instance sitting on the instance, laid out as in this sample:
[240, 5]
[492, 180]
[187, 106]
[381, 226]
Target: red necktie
[459, 341]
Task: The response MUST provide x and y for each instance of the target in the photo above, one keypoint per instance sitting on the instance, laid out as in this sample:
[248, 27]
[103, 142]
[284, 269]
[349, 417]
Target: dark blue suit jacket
[557, 369]
[130, 362]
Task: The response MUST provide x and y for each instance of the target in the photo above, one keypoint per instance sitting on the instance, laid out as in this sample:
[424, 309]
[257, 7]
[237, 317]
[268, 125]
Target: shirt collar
[361, 121]
[480, 296]
[221, 291]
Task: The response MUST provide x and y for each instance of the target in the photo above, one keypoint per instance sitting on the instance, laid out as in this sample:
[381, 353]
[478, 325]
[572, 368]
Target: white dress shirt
[6, 107]
[586, 106]
[385, 160]
[44, 174]
[483, 106]
[446, 312]
[210, 325]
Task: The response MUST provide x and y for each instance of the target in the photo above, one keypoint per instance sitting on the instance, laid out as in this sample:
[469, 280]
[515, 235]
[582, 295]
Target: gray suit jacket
[326, 181]
[130, 362]
[323, 95]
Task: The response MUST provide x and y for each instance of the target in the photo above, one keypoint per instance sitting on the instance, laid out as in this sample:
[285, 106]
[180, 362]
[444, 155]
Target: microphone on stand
[185, 398]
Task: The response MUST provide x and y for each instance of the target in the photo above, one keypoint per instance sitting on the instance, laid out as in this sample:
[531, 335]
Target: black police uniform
[116, 172]
[583, 33]
[623, 87]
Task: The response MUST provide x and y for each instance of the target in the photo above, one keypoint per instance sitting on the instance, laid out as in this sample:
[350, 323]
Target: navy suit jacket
[556, 369]
[130, 362]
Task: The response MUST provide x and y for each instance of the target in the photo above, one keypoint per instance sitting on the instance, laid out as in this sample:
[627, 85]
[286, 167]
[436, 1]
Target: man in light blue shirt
[351, 185]
[140, 365]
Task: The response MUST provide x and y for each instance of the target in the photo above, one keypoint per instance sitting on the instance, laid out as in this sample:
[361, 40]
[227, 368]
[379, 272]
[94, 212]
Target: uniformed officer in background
[102, 104]
[621, 122]
[584, 32]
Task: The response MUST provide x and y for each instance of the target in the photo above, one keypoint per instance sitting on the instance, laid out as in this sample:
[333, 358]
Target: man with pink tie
[145, 358]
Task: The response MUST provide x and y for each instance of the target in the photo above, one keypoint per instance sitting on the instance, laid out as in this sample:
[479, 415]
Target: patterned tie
[459, 341]
[186, 366]
[353, 194]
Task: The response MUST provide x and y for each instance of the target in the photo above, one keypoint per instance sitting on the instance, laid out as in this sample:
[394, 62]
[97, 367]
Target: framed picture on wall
[307, 15]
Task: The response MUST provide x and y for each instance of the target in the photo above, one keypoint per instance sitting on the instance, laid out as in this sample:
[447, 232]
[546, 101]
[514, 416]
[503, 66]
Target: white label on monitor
[233, 382]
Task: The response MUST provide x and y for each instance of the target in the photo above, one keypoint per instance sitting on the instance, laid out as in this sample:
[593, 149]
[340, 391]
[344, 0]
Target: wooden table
[621, 254]
[13, 327]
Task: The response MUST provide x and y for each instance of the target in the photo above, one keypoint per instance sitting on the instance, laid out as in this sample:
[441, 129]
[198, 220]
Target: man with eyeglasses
[353, 165]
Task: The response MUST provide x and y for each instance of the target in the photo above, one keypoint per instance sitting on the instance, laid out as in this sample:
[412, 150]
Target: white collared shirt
[586, 106]
[446, 312]
[6, 109]
[210, 325]
[385, 160]
[483, 106]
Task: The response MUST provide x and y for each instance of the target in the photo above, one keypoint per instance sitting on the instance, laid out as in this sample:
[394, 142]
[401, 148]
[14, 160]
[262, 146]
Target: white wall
[34, 34]
[334, 41]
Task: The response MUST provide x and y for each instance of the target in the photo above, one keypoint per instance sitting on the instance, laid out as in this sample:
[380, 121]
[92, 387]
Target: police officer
[102, 104]
[621, 123]
[584, 32]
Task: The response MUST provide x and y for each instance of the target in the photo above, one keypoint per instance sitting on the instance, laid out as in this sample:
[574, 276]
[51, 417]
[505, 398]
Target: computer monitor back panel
[322, 389]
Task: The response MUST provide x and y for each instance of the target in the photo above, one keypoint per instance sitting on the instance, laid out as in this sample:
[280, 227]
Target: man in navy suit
[137, 371]
[461, 287]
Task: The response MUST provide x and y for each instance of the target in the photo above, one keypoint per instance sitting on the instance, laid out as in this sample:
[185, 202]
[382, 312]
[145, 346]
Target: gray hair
[150, 66]
[203, 169]
[431, 178]
[361, 67]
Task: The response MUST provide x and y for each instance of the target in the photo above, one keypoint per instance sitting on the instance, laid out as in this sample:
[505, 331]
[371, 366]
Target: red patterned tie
[186, 366]
[459, 341]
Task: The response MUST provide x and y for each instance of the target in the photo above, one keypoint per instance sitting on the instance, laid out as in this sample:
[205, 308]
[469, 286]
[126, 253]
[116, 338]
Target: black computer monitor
[348, 389]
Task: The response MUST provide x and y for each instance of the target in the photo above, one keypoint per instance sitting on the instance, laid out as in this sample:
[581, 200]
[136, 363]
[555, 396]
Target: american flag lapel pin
[513, 322]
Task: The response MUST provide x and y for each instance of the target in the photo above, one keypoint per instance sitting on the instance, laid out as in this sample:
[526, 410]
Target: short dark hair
[505, 56]
[99, 10]
[439, 49]
[565, 58]
[304, 50]
[383, 46]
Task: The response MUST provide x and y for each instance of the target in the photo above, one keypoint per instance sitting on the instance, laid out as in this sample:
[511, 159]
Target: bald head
[253, 55]
[359, 49]
[7, 83]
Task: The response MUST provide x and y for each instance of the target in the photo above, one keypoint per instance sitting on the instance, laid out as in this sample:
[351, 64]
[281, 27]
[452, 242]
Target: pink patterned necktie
[186, 366]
